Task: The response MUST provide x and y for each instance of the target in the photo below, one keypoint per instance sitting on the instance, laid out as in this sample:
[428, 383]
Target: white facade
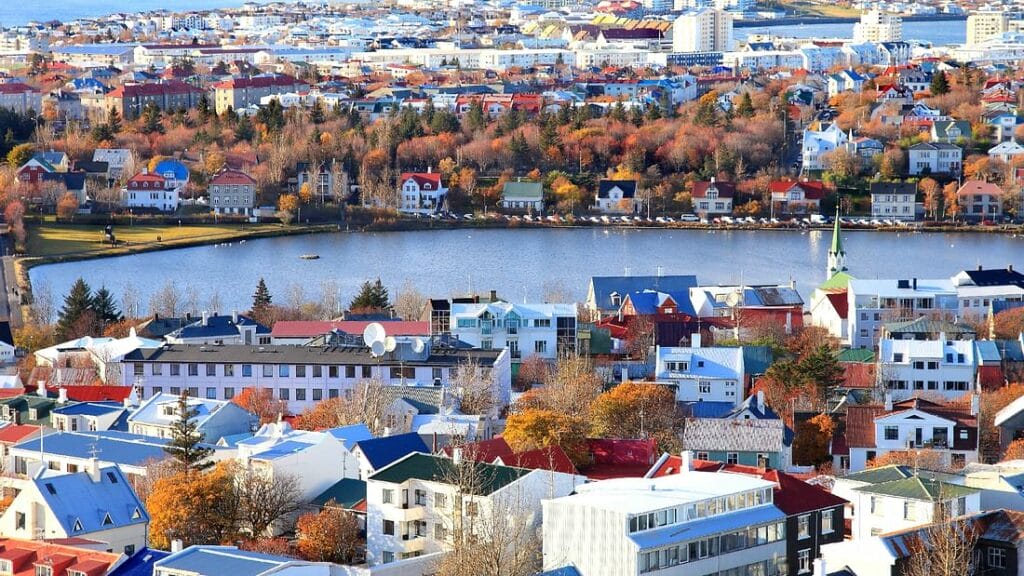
[893, 204]
[878, 26]
[879, 513]
[701, 374]
[874, 302]
[915, 429]
[982, 26]
[702, 30]
[421, 194]
[819, 143]
[947, 368]
[525, 329]
[934, 158]
[678, 524]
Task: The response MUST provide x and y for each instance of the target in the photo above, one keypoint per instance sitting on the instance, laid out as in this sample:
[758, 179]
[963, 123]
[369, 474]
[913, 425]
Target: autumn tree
[924, 459]
[539, 428]
[196, 508]
[409, 301]
[1014, 451]
[950, 201]
[812, 441]
[331, 535]
[932, 192]
[185, 444]
[637, 410]
[67, 206]
[572, 386]
[262, 403]
[367, 404]
[946, 547]
[264, 498]
[20, 154]
[287, 206]
[475, 389]
[533, 370]
[990, 403]
[640, 337]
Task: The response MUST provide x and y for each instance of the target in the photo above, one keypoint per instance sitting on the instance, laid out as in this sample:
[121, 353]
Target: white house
[97, 504]
[713, 198]
[845, 81]
[214, 419]
[893, 200]
[980, 289]
[934, 158]
[421, 193]
[817, 143]
[152, 192]
[942, 367]
[544, 330]
[1006, 151]
[414, 506]
[687, 523]
[874, 302]
[701, 373]
[617, 196]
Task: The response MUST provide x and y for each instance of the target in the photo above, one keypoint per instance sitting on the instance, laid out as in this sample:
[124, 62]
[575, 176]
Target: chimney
[1009, 268]
[760, 399]
[494, 295]
[41, 388]
[686, 464]
[975, 404]
[457, 456]
[915, 284]
[94, 469]
[430, 169]
[234, 316]
[176, 546]
[888, 402]
[695, 340]
[206, 317]
[979, 268]
[819, 567]
[62, 396]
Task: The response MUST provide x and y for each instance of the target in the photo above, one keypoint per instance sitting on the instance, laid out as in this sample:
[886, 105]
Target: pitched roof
[973, 187]
[232, 177]
[839, 302]
[549, 458]
[424, 180]
[995, 277]
[484, 450]
[918, 488]
[725, 189]
[880, 475]
[813, 189]
[794, 496]
[705, 434]
[524, 191]
[628, 187]
[380, 452]
[140, 564]
[313, 328]
[860, 425]
[346, 493]
[604, 286]
[492, 477]
[83, 505]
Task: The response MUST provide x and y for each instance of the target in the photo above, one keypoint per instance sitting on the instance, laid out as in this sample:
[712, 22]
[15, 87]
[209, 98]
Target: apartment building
[544, 330]
[984, 25]
[878, 26]
[233, 192]
[167, 95]
[687, 523]
[940, 367]
[302, 375]
[874, 302]
[702, 30]
[20, 97]
[701, 373]
[238, 93]
[893, 200]
[934, 158]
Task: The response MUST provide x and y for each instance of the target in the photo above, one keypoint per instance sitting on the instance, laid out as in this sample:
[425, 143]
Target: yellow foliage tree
[194, 507]
[305, 193]
[538, 428]
[288, 202]
[637, 410]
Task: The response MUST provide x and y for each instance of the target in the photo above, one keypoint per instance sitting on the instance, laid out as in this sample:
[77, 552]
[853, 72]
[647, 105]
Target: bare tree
[330, 303]
[296, 296]
[475, 389]
[943, 548]
[129, 300]
[213, 301]
[265, 498]
[192, 300]
[572, 387]
[555, 292]
[165, 301]
[43, 306]
[409, 302]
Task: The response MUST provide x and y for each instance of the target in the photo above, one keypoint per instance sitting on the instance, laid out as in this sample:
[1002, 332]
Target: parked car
[688, 218]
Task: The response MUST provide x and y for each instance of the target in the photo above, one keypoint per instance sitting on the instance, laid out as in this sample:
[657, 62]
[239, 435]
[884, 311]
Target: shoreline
[812, 20]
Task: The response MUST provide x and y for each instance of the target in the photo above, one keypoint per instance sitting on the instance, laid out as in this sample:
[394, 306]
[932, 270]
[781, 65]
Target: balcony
[412, 542]
[406, 512]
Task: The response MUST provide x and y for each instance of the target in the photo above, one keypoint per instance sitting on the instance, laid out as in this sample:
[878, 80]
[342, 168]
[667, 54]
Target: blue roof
[97, 49]
[349, 435]
[83, 506]
[604, 286]
[217, 325]
[89, 409]
[646, 302]
[166, 165]
[712, 525]
[220, 560]
[282, 449]
[988, 351]
[232, 440]
[563, 571]
[141, 564]
[709, 409]
[109, 446]
[383, 451]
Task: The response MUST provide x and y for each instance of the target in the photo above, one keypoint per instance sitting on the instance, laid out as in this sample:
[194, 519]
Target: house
[940, 367]
[925, 328]
[302, 375]
[780, 305]
[150, 191]
[1004, 123]
[701, 373]
[544, 330]
[421, 193]
[691, 522]
[523, 196]
[755, 442]
[242, 92]
[950, 131]
[220, 560]
[605, 294]
[872, 430]
[374, 454]
[56, 159]
[981, 291]
[213, 419]
[898, 497]
[73, 452]
[712, 198]
[617, 197]
[926, 158]
[130, 99]
[217, 329]
[415, 505]
[328, 180]
[980, 200]
[893, 200]
[232, 192]
[31, 557]
[1006, 151]
[1010, 421]
[997, 545]
[117, 159]
[814, 517]
[790, 197]
[20, 98]
[818, 143]
[845, 81]
[97, 504]
[871, 303]
[866, 148]
[89, 416]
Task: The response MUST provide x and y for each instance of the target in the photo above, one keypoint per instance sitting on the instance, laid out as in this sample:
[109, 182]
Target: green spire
[837, 240]
[836, 254]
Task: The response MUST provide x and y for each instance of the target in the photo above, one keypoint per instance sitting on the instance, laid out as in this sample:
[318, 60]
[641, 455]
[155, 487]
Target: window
[366, 372]
[229, 393]
[175, 390]
[803, 559]
[826, 522]
[246, 370]
[388, 496]
[439, 532]
[318, 394]
[175, 369]
[540, 346]
[300, 371]
[702, 456]
[892, 433]
[211, 393]
[283, 370]
[803, 526]
[440, 500]
[908, 511]
[732, 458]
[137, 369]
[407, 372]
[961, 506]
[704, 387]
[193, 369]
[763, 460]
[211, 369]
[19, 520]
[300, 394]
[876, 506]
[229, 370]
[268, 370]
[996, 557]
[350, 371]
[389, 527]
[318, 371]
[283, 394]
[45, 570]
[386, 557]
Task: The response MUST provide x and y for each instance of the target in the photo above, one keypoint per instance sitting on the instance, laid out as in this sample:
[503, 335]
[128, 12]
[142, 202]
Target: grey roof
[426, 400]
[714, 434]
[308, 355]
[893, 188]
[628, 188]
[532, 191]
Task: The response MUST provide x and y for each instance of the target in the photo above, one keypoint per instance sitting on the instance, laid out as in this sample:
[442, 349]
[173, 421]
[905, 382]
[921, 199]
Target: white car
[688, 218]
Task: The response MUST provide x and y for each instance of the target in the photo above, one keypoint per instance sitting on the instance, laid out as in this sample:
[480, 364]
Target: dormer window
[616, 299]
[77, 527]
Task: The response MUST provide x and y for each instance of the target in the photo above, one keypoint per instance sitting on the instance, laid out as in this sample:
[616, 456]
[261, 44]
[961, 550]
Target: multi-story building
[980, 200]
[878, 26]
[701, 373]
[303, 375]
[874, 302]
[982, 291]
[818, 143]
[233, 192]
[702, 30]
[797, 198]
[938, 367]
[421, 193]
[131, 99]
[926, 158]
[984, 25]
[214, 419]
[150, 191]
[687, 523]
[238, 93]
[20, 97]
[893, 200]
[713, 198]
[419, 504]
[544, 330]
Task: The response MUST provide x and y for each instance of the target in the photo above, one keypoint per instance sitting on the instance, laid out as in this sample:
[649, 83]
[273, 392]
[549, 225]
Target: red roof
[17, 432]
[813, 189]
[25, 554]
[99, 393]
[314, 328]
[973, 187]
[425, 180]
[228, 177]
[860, 425]
[858, 375]
[152, 89]
[551, 458]
[840, 303]
[485, 450]
[619, 458]
[15, 88]
[725, 189]
[258, 82]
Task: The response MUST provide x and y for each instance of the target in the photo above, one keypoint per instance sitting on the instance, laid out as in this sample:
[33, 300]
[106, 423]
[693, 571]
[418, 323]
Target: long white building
[525, 329]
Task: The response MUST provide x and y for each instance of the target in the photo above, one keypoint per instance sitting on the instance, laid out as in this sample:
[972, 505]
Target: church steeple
[836, 254]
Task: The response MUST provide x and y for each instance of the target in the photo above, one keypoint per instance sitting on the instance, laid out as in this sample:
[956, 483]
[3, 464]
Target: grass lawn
[818, 8]
[51, 239]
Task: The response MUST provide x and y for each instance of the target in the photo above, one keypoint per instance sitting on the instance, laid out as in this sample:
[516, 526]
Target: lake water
[940, 33]
[525, 264]
[14, 13]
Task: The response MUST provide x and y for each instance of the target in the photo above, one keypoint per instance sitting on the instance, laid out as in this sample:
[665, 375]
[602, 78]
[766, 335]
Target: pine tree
[185, 441]
[204, 108]
[316, 113]
[114, 120]
[76, 303]
[151, 119]
[746, 106]
[104, 307]
[475, 118]
[261, 299]
[243, 130]
[371, 296]
[939, 85]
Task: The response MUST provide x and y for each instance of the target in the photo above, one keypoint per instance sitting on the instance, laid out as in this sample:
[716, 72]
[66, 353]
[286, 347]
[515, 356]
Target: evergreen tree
[939, 85]
[636, 116]
[653, 113]
[746, 106]
[243, 130]
[204, 108]
[549, 135]
[114, 120]
[444, 121]
[475, 118]
[77, 303]
[105, 308]
[618, 112]
[316, 113]
[151, 119]
[371, 296]
[184, 445]
[261, 299]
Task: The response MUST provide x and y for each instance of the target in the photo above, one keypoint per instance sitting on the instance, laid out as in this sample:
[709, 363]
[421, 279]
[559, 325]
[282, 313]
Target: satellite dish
[390, 343]
[733, 299]
[377, 348]
[418, 346]
[373, 332]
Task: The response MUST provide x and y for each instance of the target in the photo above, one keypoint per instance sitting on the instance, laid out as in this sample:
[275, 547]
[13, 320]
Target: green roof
[524, 190]
[346, 493]
[855, 355]
[429, 468]
[24, 404]
[879, 475]
[918, 488]
[925, 325]
[839, 281]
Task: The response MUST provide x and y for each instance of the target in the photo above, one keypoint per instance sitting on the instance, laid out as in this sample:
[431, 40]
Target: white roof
[633, 495]
[889, 288]
[914, 349]
[501, 309]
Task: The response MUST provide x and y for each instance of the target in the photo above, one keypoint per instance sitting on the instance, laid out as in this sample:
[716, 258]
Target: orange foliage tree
[925, 459]
[195, 507]
[67, 206]
[261, 402]
[992, 402]
[331, 535]
[1015, 451]
[637, 410]
[538, 428]
[811, 444]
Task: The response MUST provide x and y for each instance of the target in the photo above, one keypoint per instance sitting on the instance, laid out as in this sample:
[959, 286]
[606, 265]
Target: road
[10, 306]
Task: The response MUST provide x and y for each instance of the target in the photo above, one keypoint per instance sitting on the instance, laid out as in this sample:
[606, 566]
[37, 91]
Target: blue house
[606, 293]
[221, 329]
[380, 452]
[174, 171]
